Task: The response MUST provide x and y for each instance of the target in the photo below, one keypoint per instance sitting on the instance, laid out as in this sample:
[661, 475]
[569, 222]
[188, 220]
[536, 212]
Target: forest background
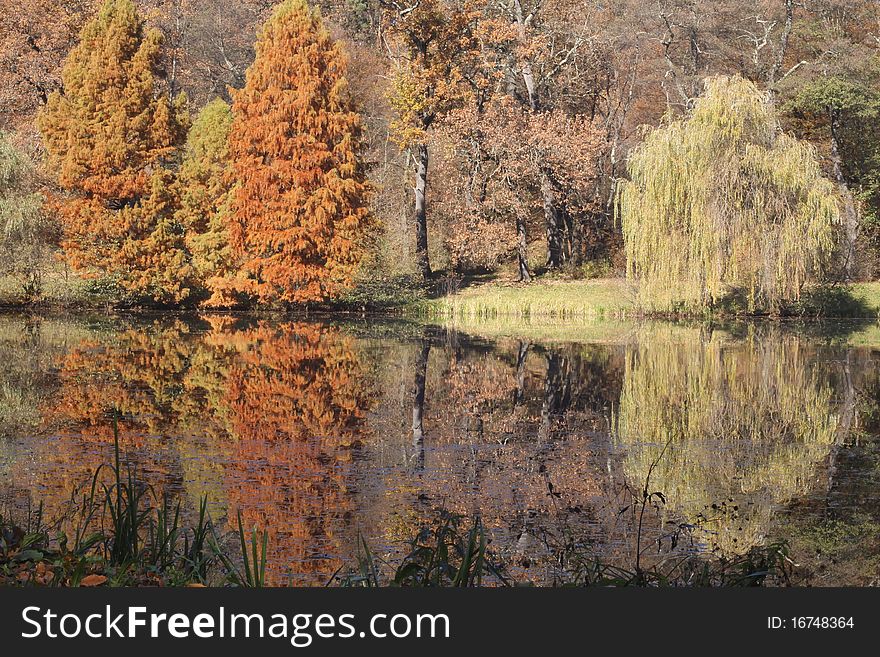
[491, 138]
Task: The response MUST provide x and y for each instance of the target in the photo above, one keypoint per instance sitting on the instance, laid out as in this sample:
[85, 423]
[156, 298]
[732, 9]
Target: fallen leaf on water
[195, 585]
[93, 580]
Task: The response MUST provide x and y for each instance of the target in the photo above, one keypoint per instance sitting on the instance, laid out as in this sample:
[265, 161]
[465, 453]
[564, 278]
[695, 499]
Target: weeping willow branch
[724, 201]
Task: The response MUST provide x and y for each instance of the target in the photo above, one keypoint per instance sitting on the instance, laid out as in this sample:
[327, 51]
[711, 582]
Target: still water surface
[322, 431]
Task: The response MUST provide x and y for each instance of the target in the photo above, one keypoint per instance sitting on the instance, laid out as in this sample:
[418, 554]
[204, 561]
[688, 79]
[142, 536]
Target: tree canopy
[723, 201]
[108, 135]
[24, 229]
[299, 210]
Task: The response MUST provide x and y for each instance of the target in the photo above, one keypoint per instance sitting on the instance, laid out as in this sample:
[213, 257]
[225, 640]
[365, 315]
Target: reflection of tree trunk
[418, 433]
[520, 373]
[556, 393]
[850, 217]
[421, 210]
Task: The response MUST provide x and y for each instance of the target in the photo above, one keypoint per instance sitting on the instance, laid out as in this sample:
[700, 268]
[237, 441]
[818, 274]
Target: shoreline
[607, 299]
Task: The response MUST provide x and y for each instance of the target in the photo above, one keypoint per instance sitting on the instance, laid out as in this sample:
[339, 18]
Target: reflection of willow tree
[721, 420]
[28, 347]
[296, 398]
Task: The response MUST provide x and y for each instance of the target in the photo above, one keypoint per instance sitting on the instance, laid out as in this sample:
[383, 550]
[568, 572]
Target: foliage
[499, 160]
[34, 39]
[843, 109]
[25, 232]
[119, 535]
[434, 39]
[723, 199]
[446, 554]
[449, 554]
[108, 136]
[205, 182]
[299, 211]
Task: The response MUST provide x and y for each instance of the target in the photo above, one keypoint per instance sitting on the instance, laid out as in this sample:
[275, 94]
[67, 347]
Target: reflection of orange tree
[155, 376]
[265, 416]
[296, 399]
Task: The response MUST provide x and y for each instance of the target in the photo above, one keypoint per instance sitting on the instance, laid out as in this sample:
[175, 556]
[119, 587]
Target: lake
[326, 431]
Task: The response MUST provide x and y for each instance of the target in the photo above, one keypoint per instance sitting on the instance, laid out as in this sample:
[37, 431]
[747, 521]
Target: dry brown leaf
[93, 580]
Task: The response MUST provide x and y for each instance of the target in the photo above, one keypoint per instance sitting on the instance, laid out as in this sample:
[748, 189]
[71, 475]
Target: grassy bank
[615, 298]
[539, 304]
[600, 298]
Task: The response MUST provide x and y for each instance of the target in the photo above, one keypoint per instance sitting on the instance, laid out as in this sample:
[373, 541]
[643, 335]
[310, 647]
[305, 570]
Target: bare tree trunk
[554, 223]
[783, 44]
[522, 22]
[420, 213]
[552, 212]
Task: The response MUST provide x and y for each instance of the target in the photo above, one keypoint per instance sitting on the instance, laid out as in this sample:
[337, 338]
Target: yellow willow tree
[722, 201]
[109, 135]
[299, 208]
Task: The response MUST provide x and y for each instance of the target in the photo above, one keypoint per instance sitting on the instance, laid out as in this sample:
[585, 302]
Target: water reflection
[728, 429]
[320, 432]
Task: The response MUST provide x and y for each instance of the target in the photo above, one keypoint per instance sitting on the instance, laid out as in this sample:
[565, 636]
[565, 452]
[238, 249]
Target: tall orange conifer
[299, 211]
[108, 135]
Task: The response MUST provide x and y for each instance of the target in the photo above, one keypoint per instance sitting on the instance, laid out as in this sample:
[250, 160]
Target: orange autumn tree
[109, 135]
[299, 210]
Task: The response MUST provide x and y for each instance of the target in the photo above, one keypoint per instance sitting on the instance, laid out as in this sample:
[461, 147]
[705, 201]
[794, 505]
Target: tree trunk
[522, 251]
[552, 212]
[850, 216]
[776, 68]
[421, 210]
[554, 223]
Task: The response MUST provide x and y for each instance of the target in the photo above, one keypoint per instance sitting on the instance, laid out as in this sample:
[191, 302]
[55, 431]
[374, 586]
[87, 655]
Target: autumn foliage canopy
[266, 200]
[300, 206]
[108, 136]
[462, 136]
